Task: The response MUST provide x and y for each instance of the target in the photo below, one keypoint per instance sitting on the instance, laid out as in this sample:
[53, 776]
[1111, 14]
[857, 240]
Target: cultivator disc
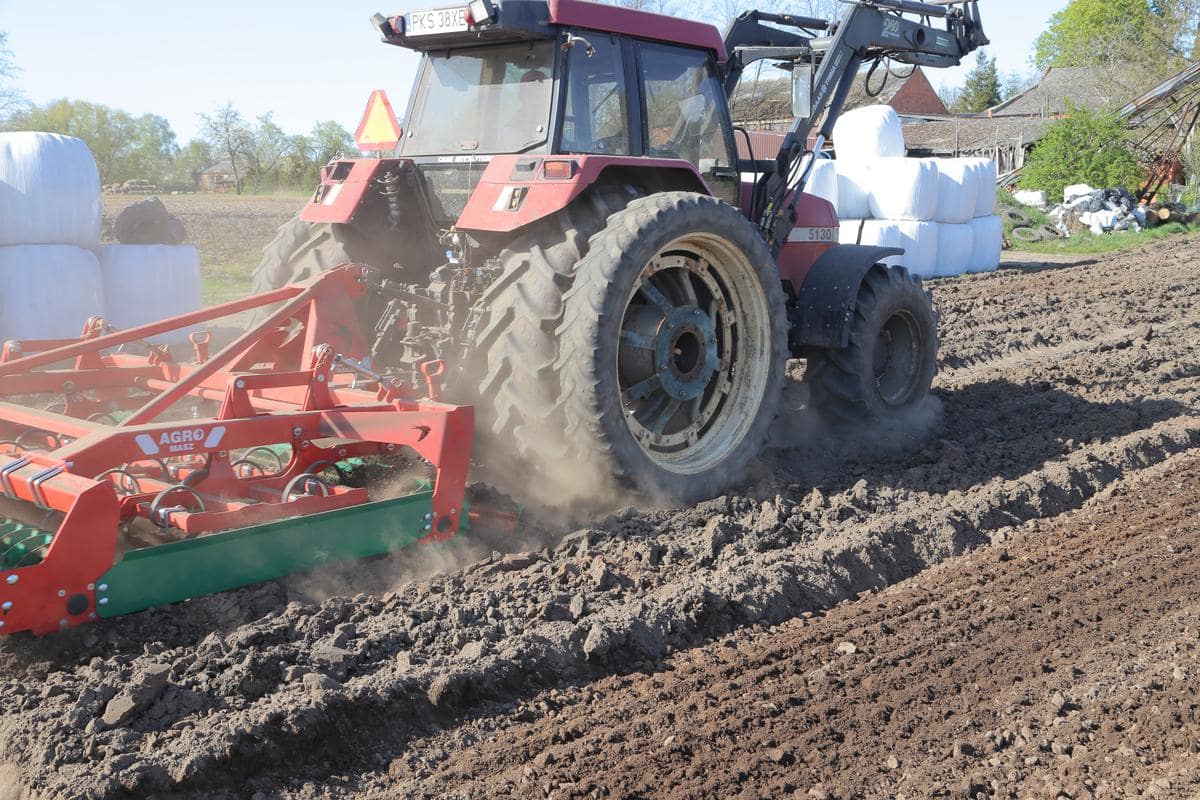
[149, 481]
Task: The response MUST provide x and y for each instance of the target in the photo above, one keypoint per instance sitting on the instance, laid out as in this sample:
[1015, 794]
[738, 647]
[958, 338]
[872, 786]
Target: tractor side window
[684, 118]
[597, 115]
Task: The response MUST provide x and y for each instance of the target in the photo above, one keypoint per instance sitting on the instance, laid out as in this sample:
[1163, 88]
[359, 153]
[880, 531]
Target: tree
[268, 145]
[1089, 32]
[124, 146]
[192, 159]
[330, 140]
[1014, 83]
[11, 98]
[231, 139]
[1082, 147]
[981, 90]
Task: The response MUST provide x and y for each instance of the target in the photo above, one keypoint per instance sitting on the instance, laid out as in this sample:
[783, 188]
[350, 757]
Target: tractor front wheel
[888, 366]
[673, 346]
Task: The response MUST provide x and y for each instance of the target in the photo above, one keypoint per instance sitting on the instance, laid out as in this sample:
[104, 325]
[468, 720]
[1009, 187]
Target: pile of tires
[1024, 230]
[50, 220]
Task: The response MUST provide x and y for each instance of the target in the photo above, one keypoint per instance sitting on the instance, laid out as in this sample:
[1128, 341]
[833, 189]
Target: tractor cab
[523, 79]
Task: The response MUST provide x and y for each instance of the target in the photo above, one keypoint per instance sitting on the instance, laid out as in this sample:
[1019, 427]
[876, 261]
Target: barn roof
[1091, 88]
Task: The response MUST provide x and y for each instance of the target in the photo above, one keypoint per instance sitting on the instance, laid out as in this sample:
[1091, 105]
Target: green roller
[22, 545]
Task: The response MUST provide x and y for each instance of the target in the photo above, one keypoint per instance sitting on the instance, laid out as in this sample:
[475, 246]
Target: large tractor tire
[673, 348]
[301, 250]
[516, 351]
[888, 366]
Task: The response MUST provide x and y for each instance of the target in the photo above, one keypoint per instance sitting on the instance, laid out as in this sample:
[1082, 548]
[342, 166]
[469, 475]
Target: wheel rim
[695, 353]
[897, 359]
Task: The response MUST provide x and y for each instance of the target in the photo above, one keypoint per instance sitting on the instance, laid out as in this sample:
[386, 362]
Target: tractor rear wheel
[512, 377]
[301, 250]
[888, 366]
[673, 347]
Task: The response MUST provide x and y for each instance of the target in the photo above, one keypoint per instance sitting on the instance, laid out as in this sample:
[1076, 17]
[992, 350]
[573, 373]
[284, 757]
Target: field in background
[228, 230]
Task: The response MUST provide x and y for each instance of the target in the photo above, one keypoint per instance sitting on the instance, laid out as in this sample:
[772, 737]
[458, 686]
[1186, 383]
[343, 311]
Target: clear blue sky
[306, 60]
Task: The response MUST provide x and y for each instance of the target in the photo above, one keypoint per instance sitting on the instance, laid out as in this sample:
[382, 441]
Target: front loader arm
[870, 29]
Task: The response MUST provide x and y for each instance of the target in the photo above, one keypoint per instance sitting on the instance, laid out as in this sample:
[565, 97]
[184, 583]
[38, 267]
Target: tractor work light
[480, 12]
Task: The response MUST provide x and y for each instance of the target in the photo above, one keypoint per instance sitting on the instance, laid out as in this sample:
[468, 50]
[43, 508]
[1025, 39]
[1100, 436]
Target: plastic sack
[868, 133]
[904, 188]
[988, 239]
[49, 191]
[956, 244]
[1076, 190]
[47, 291]
[854, 193]
[147, 282]
[958, 190]
[823, 181]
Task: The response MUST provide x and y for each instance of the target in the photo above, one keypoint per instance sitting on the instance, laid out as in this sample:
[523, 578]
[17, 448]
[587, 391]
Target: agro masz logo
[180, 440]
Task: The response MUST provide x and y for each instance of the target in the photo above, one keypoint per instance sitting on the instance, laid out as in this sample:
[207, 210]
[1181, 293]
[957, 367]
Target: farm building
[766, 105]
[220, 177]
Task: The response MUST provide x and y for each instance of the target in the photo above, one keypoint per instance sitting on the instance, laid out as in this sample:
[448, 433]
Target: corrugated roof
[1091, 88]
[972, 134]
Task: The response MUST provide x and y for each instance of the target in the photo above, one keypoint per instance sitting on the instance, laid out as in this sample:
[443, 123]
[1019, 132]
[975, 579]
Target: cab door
[685, 114]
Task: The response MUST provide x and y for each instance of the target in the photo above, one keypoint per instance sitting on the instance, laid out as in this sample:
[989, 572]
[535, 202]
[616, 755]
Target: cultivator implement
[147, 480]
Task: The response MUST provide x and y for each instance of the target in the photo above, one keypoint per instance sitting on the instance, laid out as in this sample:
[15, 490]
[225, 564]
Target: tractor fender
[826, 300]
[515, 191]
[343, 188]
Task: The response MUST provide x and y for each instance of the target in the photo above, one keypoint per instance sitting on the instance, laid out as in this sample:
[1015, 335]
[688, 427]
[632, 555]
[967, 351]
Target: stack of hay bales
[54, 273]
[49, 227]
[941, 212]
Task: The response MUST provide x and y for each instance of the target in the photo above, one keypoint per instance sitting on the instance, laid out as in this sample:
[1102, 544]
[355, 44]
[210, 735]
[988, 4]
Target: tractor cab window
[596, 119]
[482, 100]
[684, 116]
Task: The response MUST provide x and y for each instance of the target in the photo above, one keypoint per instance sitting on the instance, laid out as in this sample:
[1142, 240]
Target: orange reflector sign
[379, 130]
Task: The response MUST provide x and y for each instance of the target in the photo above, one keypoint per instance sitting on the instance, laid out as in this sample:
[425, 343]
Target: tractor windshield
[482, 100]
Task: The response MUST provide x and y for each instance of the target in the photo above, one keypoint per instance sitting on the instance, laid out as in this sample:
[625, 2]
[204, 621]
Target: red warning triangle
[379, 130]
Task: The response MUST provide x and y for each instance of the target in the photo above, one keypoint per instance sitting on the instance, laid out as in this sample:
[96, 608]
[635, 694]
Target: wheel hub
[678, 348]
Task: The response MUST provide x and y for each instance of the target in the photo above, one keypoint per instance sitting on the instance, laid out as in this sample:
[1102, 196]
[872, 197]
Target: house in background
[766, 105]
[220, 177]
[1008, 131]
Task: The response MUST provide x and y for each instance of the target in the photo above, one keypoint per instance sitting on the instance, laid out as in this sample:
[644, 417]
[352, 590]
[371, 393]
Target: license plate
[437, 20]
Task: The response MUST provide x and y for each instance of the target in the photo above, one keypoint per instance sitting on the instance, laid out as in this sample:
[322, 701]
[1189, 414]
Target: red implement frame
[290, 380]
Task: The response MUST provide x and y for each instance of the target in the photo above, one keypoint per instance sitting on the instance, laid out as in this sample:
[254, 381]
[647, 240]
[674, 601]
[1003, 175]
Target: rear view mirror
[802, 78]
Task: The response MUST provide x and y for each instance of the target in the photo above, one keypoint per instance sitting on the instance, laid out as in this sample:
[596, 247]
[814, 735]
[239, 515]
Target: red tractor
[567, 226]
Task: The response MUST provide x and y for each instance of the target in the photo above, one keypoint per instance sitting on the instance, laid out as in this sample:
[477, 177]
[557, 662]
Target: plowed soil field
[995, 599]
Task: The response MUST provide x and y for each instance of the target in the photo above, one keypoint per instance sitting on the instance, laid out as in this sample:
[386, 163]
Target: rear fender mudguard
[514, 191]
[826, 300]
[343, 188]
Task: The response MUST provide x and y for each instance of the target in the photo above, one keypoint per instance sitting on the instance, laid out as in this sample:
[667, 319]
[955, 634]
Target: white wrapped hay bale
[956, 245]
[49, 191]
[958, 190]
[985, 205]
[823, 181]
[987, 240]
[853, 186]
[145, 283]
[904, 188]
[868, 133]
[920, 243]
[917, 239]
[47, 291]
[850, 230]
